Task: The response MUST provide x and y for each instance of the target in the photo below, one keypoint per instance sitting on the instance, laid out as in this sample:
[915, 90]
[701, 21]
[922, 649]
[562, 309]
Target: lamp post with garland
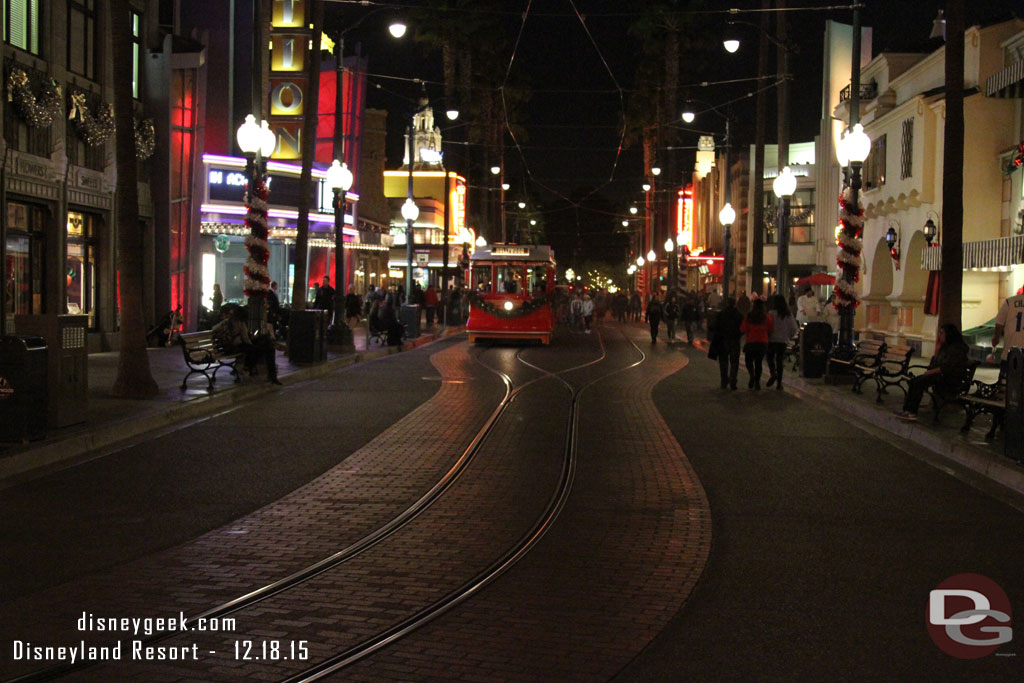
[256, 142]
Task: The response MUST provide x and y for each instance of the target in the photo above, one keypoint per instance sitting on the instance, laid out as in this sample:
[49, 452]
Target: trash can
[307, 336]
[1013, 422]
[67, 360]
[815, 344]
[410, 317]
[23, 388]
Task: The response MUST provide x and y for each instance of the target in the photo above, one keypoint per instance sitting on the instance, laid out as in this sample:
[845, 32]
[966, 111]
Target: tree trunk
[134, 379]
[951, 287]
[312, 107]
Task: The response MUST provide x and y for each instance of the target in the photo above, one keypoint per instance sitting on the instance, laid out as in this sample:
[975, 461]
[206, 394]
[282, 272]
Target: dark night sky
[572, 123]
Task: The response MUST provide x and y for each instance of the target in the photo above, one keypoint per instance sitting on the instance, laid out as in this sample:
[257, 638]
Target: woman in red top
[758, 327]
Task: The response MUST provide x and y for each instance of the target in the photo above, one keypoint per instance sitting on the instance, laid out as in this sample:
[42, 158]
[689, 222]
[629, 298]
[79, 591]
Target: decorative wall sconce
[931, 229]
[892, 238]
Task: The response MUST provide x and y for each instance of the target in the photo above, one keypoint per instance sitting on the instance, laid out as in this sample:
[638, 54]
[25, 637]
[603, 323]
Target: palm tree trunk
[134, 379]
[757, 210]
[951, 283]
[299, 286]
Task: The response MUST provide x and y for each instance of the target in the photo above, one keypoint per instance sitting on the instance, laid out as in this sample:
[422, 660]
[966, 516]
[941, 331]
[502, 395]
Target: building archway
[878, 307]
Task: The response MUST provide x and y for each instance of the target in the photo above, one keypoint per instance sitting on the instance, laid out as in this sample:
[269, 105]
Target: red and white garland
[257, 277]
[850, 247]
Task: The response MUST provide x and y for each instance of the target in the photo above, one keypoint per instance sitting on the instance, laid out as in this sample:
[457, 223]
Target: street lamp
[397, 29]
[481, 242]
[633, 210]
[254, 140]
[640, 261]
[931, 230]
[784, 187]
[339, 179]
[655, 170]
[670, 249]
[727, 216]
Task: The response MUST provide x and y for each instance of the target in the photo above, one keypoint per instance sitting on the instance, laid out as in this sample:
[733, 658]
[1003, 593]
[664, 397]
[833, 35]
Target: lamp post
[339, 179]
[727, 216]
[670, 254]
[856, 146]
[256, 141]
[784, 186]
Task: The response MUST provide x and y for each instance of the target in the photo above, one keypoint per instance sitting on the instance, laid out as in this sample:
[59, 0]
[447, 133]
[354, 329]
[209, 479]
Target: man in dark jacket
[654, 314]
[945, 372]
[725, 342]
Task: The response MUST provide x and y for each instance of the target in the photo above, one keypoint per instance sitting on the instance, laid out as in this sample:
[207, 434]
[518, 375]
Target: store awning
[1000, 253]
[1007, 83]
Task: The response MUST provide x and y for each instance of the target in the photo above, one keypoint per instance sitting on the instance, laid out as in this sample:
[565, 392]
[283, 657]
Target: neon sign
[684, 218]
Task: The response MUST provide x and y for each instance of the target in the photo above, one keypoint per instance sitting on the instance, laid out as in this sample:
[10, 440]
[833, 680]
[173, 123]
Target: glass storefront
[24, 269]
[80, 265]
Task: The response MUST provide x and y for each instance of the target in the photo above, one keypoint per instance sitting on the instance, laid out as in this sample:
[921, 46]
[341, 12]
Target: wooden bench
[202, 354]
[986, 397]
[866, 358]
[892, 369]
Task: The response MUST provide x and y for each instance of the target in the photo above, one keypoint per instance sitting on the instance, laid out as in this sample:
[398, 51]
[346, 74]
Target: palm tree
[134, 379]
[952, 277]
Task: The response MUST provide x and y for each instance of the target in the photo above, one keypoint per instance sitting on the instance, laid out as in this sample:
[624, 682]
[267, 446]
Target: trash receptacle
[1013, 422]
[815, 344]
[410, 317]
[66, 337]
[23, 388]
[307, 336]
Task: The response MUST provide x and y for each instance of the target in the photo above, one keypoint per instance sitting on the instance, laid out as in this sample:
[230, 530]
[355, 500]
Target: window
[907, 150]
[80, 269]
[136, 22]
[801, 217]
[874, 166]
[19, 135]
[23, 269]
[21, 24]
[82, 38]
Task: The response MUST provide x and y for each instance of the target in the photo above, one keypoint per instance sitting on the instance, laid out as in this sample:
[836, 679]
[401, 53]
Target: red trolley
[511, 288]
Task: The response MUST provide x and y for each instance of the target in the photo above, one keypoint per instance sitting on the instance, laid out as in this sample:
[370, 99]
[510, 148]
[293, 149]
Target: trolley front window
[482, 278]
[510, 279]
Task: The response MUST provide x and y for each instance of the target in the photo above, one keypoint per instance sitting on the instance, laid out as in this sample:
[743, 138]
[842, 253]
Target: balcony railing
[868, 91]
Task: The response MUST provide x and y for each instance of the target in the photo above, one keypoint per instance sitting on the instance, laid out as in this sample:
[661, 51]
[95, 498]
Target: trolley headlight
[509, 305]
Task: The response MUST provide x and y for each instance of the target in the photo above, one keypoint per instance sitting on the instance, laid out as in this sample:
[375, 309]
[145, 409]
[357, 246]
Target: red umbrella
[817, 279]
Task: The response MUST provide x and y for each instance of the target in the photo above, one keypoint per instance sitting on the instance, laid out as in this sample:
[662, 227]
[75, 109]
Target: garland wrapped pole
[257, 277]
[851, 217]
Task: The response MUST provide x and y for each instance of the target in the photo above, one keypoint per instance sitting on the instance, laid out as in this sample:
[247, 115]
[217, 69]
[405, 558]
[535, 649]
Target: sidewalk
[972, 451]
[113, 422]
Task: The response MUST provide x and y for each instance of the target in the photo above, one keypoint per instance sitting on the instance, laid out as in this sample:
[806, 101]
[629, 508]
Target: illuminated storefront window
[23, 261]
[80, 265]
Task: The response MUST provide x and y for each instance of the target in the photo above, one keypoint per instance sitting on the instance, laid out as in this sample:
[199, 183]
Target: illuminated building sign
[289, 50]
[684, 218]
[458, 203]
[228, 185]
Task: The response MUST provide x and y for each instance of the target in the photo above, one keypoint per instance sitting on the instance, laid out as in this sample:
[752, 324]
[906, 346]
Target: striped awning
[1003, 252]
[1007, 82]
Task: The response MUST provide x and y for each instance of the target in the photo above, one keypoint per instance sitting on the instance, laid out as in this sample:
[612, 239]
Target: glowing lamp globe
[669, 245]
[481, 242]
[731, 45]
[655, 170]
[633, 210]
[651, 255]
[647, 187]
[727, 215]
[452, 114]
[397, 29]
[249, 136]
[268, 141]
[858, 144]
[688, 116]
[521, 205]
[410, 211]
[509, 305]
[495, 170]
[339, 177]
[785, 183]
[640, 261]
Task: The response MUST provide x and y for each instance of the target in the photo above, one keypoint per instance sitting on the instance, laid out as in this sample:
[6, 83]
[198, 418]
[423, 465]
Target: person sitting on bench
[945, 371]
[232, 334]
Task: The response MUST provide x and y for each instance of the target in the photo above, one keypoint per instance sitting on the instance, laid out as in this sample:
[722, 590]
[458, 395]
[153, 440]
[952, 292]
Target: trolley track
[375, 537]
[505, 562]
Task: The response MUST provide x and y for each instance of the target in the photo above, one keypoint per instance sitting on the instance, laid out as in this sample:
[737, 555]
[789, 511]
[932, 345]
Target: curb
[155, 417]
[956, 450]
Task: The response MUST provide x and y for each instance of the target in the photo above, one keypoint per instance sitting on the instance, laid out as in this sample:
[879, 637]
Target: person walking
[671, 316]
[945, 370]
[784, 328]
[588, 312]
[743, 304]
[689, 315]
[430, 301]
[725, 328]
[218, 301]
[575, 312]
[1009, 325]
[655, 312]
[757, 326]
[634, 306]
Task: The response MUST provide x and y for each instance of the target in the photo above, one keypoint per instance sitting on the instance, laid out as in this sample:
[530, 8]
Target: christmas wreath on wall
[93, 128]
[528, 306]
[38, 110]
[1017, 161]
[145, 139]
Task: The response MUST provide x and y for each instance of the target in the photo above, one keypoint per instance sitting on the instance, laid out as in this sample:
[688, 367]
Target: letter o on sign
[286, 99]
